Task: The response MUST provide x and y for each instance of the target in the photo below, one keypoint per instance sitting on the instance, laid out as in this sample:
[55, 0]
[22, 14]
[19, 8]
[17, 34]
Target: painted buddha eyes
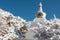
[39, 15]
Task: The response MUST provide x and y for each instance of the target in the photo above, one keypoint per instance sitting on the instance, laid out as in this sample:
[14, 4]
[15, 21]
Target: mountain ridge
[16, 28]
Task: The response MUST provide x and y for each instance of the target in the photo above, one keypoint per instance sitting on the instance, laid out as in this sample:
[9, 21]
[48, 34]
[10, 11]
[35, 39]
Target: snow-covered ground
[38, 29]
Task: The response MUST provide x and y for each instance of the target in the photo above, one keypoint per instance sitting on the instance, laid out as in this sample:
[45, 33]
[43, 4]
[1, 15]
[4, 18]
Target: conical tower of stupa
[40, 15]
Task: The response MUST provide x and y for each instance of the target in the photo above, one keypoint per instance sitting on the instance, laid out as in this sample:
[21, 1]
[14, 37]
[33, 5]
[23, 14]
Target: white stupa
[40, 15]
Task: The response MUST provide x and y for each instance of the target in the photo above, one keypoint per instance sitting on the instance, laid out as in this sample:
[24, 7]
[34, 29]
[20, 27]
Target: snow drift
[15, 28]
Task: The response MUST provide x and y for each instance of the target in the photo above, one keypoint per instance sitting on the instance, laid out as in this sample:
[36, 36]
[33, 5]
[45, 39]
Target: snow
[38, 29]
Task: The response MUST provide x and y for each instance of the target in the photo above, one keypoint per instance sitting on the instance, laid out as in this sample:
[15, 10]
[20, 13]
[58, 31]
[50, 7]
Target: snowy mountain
[9, 24]
[15, 28]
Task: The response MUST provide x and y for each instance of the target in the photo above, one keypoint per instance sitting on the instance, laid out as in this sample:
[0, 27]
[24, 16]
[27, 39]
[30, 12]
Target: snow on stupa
[40, 15]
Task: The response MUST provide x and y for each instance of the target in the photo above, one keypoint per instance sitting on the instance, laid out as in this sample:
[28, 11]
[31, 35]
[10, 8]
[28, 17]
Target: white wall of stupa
[40, 15]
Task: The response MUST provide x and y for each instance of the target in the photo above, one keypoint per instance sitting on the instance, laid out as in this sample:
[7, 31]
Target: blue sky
[28, 8]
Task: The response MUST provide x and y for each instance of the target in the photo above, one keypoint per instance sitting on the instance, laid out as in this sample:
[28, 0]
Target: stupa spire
[40, 7]
[40, 13]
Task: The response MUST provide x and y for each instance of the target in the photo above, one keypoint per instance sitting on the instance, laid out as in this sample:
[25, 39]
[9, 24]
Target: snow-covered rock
[15, 28]
[9, 25]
